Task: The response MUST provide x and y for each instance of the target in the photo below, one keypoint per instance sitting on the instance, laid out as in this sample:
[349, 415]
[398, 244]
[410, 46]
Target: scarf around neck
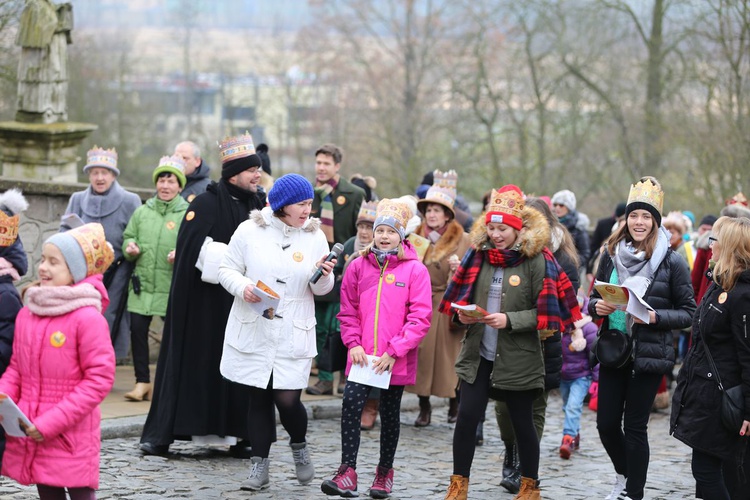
[381, 255]
[59, 300]
[557, 303]
[634, 270]
[323, 192]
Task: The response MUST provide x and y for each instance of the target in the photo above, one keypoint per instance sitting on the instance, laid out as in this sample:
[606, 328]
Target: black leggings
[262, 425]
[625, 401]
[708, 476]
[471, 407]
[355, 397]
[139, 325]
[58, 493]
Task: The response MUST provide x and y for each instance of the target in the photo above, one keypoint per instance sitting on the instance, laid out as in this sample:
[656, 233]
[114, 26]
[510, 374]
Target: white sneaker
[623, 496]
[618, 487]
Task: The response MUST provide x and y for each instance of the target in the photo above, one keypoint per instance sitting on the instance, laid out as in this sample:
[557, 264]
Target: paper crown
[96, 251]
[442, 191]
[506, 206]
[172, 164]
[8, 229]
[394, 214]
[368, 212]
[100, 157]
[648, 191]
[738, 199]
[239, 146]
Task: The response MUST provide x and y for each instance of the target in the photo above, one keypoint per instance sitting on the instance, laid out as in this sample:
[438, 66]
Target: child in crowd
[62, 368]
[13, 265]
[386, 308]
[576, 377]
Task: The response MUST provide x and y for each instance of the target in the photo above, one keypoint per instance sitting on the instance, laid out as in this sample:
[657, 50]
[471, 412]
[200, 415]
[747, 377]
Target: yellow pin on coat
[57, 339]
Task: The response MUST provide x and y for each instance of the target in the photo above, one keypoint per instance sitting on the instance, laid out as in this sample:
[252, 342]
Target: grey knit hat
[565, 197]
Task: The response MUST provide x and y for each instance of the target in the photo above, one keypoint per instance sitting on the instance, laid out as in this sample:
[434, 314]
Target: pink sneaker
[344, 483]
[383, 483]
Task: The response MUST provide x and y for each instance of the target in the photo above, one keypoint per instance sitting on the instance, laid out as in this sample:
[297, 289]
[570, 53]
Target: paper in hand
[11, 415]
[366, 375]
[71, 221]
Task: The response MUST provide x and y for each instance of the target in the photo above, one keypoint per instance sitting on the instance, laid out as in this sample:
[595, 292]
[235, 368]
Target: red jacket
[62, 368]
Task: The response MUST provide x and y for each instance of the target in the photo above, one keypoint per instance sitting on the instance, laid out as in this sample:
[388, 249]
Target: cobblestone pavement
[423, 464]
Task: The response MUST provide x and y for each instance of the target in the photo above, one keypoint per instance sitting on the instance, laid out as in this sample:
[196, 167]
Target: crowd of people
[261, 282]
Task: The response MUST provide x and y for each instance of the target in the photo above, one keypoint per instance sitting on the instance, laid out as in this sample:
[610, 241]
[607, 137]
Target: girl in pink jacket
[386, 308]
[62, 367]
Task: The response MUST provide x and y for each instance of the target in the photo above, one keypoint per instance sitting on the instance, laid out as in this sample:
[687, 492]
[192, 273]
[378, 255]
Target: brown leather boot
[425, 412]
[369, 414]
[529, 490]
[140, 392]
[458, 489]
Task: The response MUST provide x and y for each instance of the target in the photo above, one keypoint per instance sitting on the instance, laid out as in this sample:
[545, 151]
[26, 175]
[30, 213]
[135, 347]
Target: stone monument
[41, 144]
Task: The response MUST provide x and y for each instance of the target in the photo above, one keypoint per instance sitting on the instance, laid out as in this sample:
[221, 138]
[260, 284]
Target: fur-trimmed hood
[13, 201]
[265, 218]
[445, 245]
[535, 234]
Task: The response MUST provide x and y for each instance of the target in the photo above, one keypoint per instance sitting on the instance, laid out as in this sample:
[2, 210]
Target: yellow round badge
[390, 278]
[57, 339]
[298, 256]
[514, 280]
[190, 215]
[722, 297]
[171, 225]
[190, 198]
[341, 200]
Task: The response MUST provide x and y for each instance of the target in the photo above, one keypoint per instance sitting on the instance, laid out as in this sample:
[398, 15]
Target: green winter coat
[346, 198]
[153, 227]
[519, 360]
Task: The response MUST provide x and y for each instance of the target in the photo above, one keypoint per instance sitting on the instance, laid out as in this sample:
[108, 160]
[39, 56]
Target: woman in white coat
[271, 349]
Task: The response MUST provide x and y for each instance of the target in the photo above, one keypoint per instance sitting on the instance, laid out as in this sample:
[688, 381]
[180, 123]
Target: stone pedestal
[44, 152]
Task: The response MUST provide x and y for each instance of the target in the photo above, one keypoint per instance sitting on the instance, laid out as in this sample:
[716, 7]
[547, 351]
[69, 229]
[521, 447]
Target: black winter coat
[722, 323]
[671, 296]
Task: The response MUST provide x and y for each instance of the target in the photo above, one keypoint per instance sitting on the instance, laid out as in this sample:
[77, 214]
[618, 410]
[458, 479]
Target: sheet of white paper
[367, 376]
[638, 307]
[11, 414]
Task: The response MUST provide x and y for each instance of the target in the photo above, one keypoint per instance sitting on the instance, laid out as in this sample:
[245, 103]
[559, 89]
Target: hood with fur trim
[13, 201]
[264, 218]
[535, 233]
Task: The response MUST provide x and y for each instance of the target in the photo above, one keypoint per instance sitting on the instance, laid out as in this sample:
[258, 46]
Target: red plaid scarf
[557, 305]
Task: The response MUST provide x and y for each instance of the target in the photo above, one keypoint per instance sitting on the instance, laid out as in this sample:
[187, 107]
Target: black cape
[190, 396]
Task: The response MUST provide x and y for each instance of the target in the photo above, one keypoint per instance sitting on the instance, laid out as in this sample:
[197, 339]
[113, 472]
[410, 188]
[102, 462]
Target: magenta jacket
[61, 369]
[387, 310]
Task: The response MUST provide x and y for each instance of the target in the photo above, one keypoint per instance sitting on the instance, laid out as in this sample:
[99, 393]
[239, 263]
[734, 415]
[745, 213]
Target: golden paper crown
[648, 191]
[97, 252]
[442, 191]
[100, 157]
[367, 212]
[507, 200]
[239, 146]
[8, 229]
[392, 212]
[738, 199]
[175, 162]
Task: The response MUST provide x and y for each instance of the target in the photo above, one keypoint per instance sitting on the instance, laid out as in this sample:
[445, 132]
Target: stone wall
[47, 203]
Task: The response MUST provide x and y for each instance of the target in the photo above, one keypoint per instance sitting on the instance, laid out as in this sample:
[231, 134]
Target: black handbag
[614, 348]
[732, 403]
[333, 355]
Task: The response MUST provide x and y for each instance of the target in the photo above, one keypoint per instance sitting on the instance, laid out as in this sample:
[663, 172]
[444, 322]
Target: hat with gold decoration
[442, 192]
[393, 214]
[85, 249]
[506, 206]
[12, 203]
[646, 194]
[237, 155]
[368, 212]
[174, 165]
[100, 157]
[8, 229]
[738, 199]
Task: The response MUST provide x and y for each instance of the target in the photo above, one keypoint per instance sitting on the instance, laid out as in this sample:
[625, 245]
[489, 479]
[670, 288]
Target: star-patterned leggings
[355, 397]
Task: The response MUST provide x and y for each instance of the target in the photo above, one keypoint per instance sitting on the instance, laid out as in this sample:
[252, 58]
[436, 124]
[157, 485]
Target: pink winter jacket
[388, 311]
[61, 369]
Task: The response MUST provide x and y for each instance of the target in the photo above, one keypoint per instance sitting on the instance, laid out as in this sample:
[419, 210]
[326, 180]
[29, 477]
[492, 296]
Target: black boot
[425, 412]
[480, 433]
[511, 469]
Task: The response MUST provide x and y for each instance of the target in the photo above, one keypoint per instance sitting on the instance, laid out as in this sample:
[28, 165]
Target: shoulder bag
[614, 348]
[732, 402]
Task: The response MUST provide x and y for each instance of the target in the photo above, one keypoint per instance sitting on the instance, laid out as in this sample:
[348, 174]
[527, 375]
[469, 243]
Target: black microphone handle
[335, 252]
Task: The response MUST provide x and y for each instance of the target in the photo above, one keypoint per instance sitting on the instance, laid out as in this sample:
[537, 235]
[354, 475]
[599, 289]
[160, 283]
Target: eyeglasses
[712, 240]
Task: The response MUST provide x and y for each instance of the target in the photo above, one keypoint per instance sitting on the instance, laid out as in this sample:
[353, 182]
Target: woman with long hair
[638, 256]
[720, 329]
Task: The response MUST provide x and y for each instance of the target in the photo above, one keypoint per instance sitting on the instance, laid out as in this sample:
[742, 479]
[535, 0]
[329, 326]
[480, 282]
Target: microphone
[335, 252]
